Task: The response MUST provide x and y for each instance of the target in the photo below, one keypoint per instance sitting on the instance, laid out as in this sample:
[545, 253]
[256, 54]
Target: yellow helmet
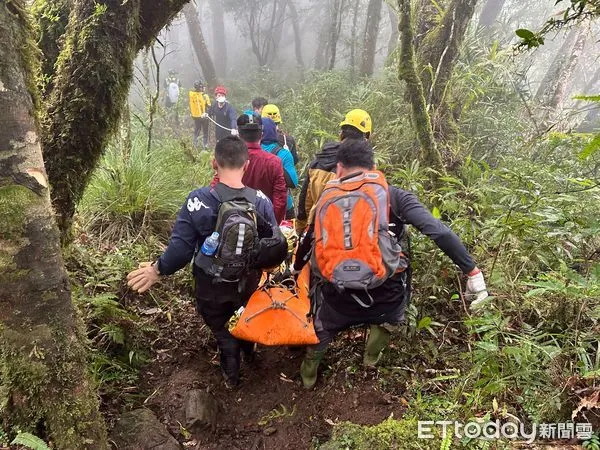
[359, 119]
[272, 112]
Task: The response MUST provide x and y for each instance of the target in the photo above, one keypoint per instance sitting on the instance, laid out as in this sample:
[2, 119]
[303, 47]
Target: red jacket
[265, 173]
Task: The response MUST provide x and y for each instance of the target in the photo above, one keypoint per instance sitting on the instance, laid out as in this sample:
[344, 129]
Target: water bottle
[211, 243]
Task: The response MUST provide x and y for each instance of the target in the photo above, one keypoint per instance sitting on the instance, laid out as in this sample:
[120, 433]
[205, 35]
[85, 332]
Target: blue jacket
[270, 144]
[197, 220]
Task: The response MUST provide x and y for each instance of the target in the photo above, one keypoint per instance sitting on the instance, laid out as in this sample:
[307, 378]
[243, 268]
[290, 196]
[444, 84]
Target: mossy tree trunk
[51, 17]
[200, 48]
[93, 74]
[407, 71]
[44, 384]
[440, 48]
[367, 62]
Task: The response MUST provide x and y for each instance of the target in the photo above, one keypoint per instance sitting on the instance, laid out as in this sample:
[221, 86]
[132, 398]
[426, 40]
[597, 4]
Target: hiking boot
[310, 364]
[230, 366]
[377, 341]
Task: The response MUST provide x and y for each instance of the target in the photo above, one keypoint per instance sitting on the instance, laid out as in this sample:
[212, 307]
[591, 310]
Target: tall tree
[440, 48]
[490, 13]
[45, 387]
[52, 19]
[219, 37]
[200, 48]
[407, 71]
[261, 23]
[93, 74]
[369, 49]
[553, 88]
[335, 28]
[295, 19]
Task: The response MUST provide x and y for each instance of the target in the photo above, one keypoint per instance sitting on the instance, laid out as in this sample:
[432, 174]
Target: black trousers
[201, 124]
[216, 303]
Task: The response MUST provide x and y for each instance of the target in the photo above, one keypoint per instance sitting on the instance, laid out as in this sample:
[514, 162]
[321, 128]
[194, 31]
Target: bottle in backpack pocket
[210, 245]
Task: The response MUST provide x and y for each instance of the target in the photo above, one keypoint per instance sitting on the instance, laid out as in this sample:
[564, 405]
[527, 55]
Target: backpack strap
[276, 150]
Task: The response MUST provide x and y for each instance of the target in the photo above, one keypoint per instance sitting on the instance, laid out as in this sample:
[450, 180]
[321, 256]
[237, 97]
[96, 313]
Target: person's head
[221, 94]
[272, 112]
[258, 104]
[354, 155]
[356, 125]
[269, 133]
[250, 127]
[231, 156]
[199, 85]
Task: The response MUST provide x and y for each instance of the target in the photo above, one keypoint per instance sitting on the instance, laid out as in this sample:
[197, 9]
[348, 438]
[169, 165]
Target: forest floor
[270, 409]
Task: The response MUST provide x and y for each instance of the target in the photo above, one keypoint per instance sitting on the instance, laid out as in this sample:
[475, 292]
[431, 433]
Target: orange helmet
[220, 90]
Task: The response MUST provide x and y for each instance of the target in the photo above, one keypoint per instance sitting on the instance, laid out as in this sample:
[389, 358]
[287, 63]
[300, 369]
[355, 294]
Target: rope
[218, 124]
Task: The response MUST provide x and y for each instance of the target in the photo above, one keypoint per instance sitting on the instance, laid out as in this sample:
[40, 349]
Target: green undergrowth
[121, 324]
[134, 194]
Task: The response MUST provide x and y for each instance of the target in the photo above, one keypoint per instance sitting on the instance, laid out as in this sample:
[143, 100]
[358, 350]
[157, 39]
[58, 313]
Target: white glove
[204, 115]
[235, 132]
[476, 290]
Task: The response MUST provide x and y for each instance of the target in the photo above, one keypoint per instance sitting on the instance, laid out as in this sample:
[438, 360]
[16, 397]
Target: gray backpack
[238, 237]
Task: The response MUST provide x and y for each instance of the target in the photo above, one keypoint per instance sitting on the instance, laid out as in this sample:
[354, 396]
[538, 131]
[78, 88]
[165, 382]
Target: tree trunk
[490, 13]
[407, 71]
[51, 19]
[334, 31]
[440, 49]
[93, 75]
[394, 35]
[370, 41]
[276, 33]
[297, 35]
[45, 387]
[200, 48]
[553, 89]
[219, 38]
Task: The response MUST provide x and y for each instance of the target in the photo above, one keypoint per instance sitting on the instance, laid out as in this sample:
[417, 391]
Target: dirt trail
[270, 409]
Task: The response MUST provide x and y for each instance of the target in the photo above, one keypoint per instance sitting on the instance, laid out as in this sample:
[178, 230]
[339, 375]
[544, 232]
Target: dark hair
[259, 102]
[231, 153]
[356, 153]
[350, 132]
[251, 135]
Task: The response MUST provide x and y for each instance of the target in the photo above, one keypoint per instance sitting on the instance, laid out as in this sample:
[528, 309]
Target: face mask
[220, 99]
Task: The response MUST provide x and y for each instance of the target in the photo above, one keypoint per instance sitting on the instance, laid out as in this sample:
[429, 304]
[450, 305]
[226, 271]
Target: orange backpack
[276, 315]
[353, 246]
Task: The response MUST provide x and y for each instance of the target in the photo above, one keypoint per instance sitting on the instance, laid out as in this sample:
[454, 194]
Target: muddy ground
[270, 409]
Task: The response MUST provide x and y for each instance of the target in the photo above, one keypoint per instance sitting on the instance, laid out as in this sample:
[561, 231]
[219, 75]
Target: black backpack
[238, 237]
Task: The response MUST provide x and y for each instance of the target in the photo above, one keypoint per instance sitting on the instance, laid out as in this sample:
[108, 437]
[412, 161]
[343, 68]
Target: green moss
[14, 200]
[41, 371]
[388, 434]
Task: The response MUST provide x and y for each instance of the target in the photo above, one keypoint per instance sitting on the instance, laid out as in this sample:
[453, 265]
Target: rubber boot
[377, 341]
[310, 364]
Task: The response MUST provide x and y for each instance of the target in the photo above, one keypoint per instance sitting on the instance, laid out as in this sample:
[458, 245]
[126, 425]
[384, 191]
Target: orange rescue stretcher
[277, 315]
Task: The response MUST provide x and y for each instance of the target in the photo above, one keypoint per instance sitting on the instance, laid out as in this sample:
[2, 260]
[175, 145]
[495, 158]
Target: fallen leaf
[587, 403]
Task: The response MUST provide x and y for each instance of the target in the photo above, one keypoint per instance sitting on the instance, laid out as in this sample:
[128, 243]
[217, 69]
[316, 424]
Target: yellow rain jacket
[199, 103]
